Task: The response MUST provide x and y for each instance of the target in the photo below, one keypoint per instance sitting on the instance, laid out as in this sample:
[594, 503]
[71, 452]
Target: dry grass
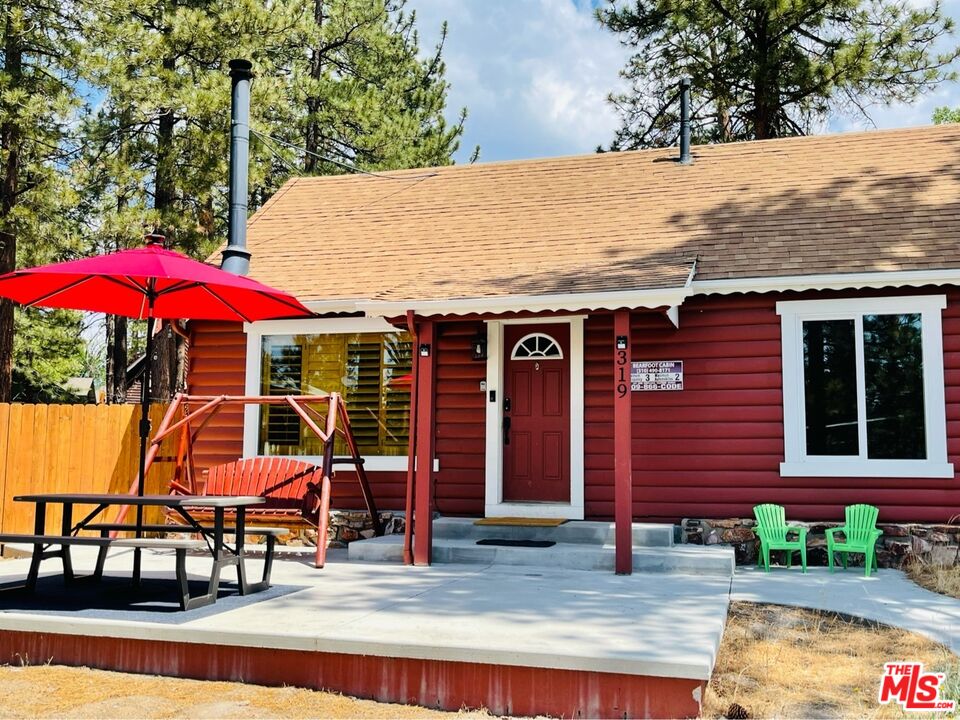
[943, 579]
[45, 691]
[791, 663]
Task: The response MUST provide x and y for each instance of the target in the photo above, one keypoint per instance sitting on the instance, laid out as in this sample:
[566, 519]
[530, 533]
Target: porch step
[686, 559]
[575, 532]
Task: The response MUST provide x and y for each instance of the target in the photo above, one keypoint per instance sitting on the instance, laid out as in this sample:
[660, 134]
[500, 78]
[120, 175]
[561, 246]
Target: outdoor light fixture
[480, 346]
[425, 350]
[621, 342]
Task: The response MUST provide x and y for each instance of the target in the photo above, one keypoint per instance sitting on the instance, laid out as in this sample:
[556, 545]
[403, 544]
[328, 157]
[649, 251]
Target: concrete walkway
[887, 596]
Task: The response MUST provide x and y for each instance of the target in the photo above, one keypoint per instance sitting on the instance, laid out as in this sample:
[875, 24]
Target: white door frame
[494, 506]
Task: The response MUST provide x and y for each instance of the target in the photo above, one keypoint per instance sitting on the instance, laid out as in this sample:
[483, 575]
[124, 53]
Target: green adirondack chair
[860, 535]
[773, 531]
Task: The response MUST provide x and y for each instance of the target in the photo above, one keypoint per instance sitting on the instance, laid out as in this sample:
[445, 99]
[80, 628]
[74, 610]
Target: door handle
[506, 431]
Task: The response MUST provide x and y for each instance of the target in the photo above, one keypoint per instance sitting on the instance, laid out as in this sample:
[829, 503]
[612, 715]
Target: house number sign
[621, 365]
[656, 375]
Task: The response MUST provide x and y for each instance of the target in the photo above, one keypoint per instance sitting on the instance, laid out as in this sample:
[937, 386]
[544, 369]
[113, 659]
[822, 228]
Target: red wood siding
[461, 431]
[217, 365]
[218, 354]
[714, 449]
[711, 450]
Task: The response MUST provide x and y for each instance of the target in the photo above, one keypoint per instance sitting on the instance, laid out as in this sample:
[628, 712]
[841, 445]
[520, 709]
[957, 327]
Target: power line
[346, 166]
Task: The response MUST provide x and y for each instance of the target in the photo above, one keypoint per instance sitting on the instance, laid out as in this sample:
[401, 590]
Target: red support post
[411, 447]
[423, 527]
[622, 452]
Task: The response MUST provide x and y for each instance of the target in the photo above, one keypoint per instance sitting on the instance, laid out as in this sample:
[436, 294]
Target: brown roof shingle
[868, 201]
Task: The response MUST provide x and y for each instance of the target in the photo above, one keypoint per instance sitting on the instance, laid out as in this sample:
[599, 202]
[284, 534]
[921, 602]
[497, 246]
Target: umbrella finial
[156, 238]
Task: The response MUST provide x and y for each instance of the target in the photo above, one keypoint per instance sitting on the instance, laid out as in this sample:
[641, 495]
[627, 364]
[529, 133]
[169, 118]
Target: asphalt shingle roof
[856, 202]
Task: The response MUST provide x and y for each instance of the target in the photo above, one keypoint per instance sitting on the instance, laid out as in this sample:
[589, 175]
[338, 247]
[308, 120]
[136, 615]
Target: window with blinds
[282, 423]
[370, 370]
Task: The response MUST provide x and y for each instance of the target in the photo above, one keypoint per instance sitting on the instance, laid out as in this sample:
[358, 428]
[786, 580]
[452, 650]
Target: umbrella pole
[144, 436]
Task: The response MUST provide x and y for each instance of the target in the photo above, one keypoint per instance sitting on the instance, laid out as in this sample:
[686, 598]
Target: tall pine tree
[39, 54]
[768, 68]
[157, 147]
[362, 94]
[343, 78]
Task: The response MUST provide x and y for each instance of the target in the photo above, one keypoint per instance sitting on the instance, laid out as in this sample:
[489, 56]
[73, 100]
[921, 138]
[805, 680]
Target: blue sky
[534, 75]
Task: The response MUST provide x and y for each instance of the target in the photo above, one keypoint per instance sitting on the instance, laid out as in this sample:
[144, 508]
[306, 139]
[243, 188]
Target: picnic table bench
[41, 543]
[106, 529]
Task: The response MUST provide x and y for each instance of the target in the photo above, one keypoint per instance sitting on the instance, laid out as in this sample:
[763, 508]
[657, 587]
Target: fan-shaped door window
[536, 346]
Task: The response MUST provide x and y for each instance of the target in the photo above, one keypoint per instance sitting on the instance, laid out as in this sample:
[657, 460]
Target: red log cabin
[620, 335]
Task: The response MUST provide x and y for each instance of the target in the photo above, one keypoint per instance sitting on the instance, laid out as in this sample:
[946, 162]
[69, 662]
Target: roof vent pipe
[685, 158]
[236, 257]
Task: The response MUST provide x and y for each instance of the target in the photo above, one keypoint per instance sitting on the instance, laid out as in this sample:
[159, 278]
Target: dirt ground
[943, 579]
[46, 691]
[791, 663]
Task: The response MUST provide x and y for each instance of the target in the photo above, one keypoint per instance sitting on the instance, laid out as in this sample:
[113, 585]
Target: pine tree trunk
[312, 131]
[766, 86]
[721, 96]
[116, 359]
[10, 140]
[110, 369]
[164, 191]
[120, 360]
[168, 368]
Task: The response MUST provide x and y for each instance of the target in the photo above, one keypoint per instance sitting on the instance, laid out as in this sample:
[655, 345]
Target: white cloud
[534, 76]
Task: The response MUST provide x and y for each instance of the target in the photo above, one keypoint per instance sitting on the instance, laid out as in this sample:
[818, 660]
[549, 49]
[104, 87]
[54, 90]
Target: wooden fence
[71, 448]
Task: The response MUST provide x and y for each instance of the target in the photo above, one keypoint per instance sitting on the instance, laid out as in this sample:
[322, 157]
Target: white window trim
[494, 505]
[796, 462]
[314, 326]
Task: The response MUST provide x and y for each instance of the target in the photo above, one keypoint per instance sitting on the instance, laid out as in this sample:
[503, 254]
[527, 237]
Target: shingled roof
[879, 201]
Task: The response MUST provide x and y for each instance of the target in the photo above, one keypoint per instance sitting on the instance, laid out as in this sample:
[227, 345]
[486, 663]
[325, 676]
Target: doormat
[531, 522]
[517, 543]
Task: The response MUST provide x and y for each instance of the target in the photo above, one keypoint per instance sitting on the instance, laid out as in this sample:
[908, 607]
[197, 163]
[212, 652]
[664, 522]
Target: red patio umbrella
[149, 283]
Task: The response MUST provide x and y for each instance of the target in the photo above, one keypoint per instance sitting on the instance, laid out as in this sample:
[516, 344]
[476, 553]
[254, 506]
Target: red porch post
[622, 451]
[423, 525]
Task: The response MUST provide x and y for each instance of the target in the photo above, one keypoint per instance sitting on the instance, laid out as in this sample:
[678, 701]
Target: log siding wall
[712, 450]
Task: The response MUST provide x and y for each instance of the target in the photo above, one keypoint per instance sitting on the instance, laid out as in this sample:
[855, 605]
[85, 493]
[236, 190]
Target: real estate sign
[656, 375]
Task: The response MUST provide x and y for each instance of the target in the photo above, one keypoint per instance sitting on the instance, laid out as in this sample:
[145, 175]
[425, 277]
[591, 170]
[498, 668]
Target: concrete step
[686, 559]
[574, 532]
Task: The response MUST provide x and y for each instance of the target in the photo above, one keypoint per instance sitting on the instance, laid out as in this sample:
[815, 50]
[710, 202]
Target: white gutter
[670, 298]
[664, 297]
[832, 281]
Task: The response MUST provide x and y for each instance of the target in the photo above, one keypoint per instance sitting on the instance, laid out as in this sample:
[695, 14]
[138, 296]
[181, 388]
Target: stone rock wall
[900, 542]
[345, 527]
[349, 525]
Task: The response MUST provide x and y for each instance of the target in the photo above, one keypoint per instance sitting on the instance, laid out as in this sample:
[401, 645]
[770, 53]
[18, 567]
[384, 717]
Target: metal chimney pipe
[685, 158]
[236, 257]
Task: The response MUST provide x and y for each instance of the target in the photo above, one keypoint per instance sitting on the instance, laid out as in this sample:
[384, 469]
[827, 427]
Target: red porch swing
[297, 492]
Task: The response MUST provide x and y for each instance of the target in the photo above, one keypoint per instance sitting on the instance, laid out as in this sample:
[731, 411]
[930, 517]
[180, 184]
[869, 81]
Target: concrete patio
[659, 628]
[513, 639]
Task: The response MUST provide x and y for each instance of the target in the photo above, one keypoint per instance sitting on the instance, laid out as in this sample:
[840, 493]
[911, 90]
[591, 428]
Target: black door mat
[517, 543]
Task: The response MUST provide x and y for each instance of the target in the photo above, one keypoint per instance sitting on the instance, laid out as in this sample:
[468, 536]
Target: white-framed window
[536, 346]
[863, 388]
[366, 360]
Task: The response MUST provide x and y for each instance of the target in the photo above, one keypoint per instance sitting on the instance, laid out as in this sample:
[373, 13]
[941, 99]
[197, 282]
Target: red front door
[536, 413]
